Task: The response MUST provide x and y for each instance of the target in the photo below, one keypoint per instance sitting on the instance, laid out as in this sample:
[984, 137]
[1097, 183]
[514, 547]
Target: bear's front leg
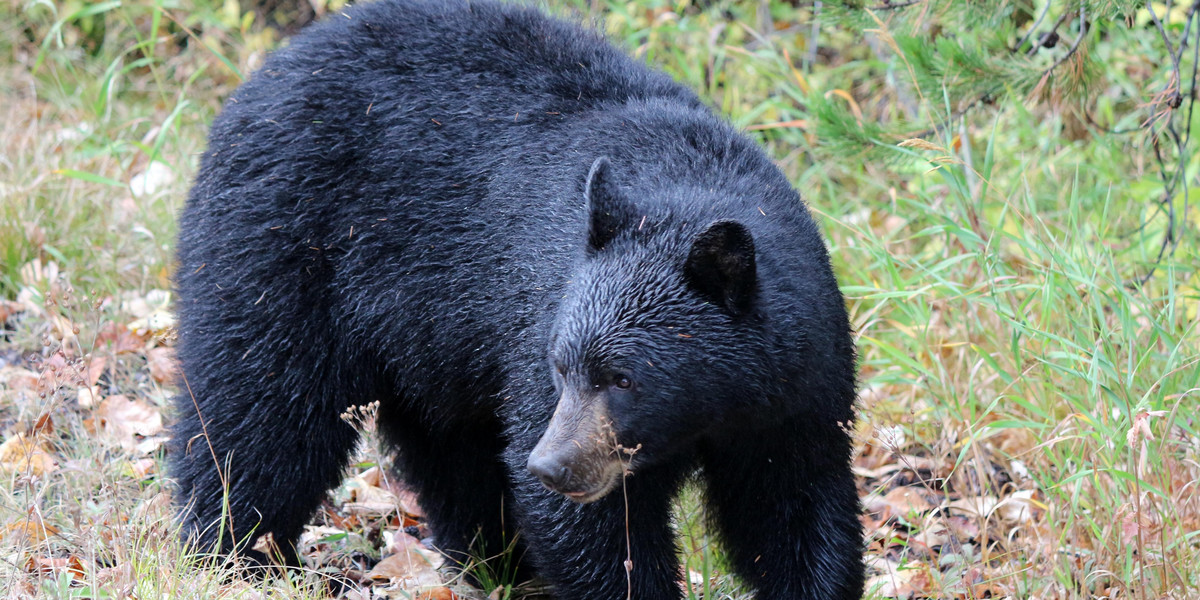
[787, 508]
[580, 549]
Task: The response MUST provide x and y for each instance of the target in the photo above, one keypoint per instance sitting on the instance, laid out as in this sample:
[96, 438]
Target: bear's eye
[622, 382]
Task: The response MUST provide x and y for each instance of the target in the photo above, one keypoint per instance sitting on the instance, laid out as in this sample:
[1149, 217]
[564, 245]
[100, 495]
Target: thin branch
[1175, 98]
[810, 57]
[1174, 228]
[1053, 29]
[889, 6]
[1033, 28]
[958, 114]
[1083, 31]
[1128, 130]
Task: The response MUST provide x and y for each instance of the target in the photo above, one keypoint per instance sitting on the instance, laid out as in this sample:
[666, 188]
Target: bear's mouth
[608, 480]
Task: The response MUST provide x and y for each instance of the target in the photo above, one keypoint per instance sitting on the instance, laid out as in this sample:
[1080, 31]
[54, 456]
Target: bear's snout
[552, 473]
[576, 454]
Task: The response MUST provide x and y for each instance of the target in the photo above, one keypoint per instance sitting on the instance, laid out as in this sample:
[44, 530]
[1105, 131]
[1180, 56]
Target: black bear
[557, 271]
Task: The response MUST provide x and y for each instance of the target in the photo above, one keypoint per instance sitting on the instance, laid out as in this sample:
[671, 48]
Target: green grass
[1007, 350]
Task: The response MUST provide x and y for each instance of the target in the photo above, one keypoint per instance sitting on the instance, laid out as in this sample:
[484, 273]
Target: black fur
[393, 208]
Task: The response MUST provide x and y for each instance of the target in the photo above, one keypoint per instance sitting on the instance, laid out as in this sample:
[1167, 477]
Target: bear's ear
[609, 212]
[721, 267]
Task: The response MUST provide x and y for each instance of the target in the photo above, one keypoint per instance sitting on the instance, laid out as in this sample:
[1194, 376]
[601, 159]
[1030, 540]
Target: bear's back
[403, 99]
[409, 72]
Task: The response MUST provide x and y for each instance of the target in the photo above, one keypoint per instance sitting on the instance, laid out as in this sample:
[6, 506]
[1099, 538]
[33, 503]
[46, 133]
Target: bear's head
[658, 339]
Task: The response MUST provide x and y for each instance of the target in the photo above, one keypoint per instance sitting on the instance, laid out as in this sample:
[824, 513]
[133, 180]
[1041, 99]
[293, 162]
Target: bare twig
[1033, 28]
[1173, 181]
[889, 6]
[810, 57]
[956, 115]
[1053, 29]
[1083, 31]
[1175, 98]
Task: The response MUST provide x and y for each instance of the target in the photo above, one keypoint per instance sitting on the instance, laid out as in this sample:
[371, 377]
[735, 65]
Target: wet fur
[393, 209]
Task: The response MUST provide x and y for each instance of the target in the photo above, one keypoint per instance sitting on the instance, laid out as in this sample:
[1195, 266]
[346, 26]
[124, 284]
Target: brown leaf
[121, 339]
[408, 503]
[9, 308]
[163, 366]
[28, 530]
[962, 528]
[143, 467]
[1019, 507]
[118, 579]
[932, 536]
[903, 502]
[411, 566]
[908, 581]
[973, 506]
[95, 369]
[1014, 441]
[437, 593]
[18, 379]
[372, 477]
[25, 454]
[121, 421]
[87, 397]
[44, 425]
[46, 566]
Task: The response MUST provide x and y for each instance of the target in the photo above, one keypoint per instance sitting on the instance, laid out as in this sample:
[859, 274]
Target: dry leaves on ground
[133, 424]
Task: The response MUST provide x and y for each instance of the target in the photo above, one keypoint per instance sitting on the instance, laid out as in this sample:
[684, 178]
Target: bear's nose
[550, 471]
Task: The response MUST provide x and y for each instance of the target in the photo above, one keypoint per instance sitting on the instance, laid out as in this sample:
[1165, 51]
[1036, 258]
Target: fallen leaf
[156, 177]
[121, 421]
[122, 340]
[1019, 506]
[51, 567]
[158, 323]
[30, 530]
[66, 332]
[25, 454]
[1014, 441]
[118, 579]
[43, 426]
[154, 506]
[95, 369]
[411, 566]
[932, 536]
[409, 504]
[900, 581]
[87, 397]
[18, 379]
[368, 499]
[975, 506]
[903, 502]
[152, 313]
[372, 477]
[163, 366]
[9, 308]
[238, 589]
[142, 467]
[962, 528]
[437, 593]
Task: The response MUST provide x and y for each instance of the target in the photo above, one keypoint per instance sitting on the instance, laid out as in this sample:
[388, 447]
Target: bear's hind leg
[272, 451]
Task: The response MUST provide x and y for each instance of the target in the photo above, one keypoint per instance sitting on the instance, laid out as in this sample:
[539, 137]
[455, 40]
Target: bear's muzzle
[577, 455]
